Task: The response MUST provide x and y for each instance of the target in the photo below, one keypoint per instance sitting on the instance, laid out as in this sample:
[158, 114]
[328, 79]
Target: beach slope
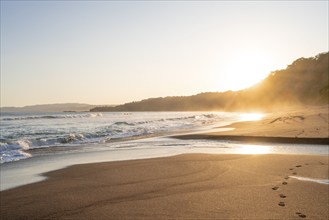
[196, 186]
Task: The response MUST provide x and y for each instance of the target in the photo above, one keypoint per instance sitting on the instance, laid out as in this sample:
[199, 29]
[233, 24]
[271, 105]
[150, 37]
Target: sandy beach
[181, 187]
[191, 186]
[307, 125]
[304, 122]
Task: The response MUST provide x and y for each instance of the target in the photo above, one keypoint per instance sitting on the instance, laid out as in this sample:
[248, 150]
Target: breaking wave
[18, 136]
[88, 115]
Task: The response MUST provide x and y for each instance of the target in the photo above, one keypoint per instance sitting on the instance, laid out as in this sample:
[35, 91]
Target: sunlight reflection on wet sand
[251, 116]
[254, 149]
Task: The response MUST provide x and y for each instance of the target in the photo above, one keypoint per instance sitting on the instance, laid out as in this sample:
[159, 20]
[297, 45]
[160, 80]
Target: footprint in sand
[294, 173]
[306, 163]
[282, 196]
[282, 204]
[284, 183]
[299, 166]
[275, 188]
[291, 168]
[287, 177]
[301, 215]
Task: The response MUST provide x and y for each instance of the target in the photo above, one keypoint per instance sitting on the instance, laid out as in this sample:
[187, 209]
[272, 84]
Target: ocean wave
[15, 145]
[88, 115]
[26, 145]
[71, 138]
[14, 151]
[124, 123]
[18, 138]
[17, 150]
[194, 118]
[13, 155]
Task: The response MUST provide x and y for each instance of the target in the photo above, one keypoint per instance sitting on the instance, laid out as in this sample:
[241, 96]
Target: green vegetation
[304, 82]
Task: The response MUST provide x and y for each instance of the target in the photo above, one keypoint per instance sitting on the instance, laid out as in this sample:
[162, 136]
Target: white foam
[42, 117]
[24, 144]
[93, 115]
[321, 181]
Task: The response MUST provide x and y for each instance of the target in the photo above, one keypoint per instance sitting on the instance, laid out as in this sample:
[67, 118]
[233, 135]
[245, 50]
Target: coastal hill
[304, 82]
[50, 108]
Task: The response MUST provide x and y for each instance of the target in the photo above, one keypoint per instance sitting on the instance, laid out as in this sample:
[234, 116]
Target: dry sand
[196, 186]
[307, 122]
[307, 125]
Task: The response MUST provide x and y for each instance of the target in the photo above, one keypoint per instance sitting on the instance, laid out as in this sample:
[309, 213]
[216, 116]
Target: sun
[254, 149]
[251, 116]
[246, 69]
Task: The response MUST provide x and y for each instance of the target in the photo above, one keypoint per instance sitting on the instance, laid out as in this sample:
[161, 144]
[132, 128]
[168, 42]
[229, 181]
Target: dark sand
[196, 186]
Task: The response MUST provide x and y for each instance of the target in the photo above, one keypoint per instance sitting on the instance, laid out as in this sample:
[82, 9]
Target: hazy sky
[111, 52]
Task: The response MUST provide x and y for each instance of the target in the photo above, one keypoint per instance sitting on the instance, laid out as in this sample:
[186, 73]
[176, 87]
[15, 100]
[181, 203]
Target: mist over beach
[164, 110]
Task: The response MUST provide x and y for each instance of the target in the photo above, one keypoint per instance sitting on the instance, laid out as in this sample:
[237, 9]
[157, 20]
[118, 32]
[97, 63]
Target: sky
[113, 52]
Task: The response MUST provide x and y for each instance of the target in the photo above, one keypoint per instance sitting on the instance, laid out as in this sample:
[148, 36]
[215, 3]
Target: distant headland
[62, 107]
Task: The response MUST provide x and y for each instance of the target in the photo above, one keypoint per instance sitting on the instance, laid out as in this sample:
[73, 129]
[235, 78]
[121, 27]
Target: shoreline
[188, 186]
[31, 170]
[254, 139]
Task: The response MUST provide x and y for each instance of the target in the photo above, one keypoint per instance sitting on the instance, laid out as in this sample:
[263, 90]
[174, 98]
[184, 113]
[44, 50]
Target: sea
[23, 135]
[33, 143]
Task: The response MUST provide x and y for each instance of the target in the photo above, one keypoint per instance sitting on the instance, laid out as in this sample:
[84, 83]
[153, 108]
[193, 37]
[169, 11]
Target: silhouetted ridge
[304, 82]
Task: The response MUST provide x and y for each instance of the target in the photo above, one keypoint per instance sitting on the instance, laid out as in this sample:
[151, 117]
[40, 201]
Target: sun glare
[251, 116]
[254, 149]
[247, 69]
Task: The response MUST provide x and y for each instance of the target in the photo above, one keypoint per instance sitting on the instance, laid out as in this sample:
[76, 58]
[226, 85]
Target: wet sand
[191, 186]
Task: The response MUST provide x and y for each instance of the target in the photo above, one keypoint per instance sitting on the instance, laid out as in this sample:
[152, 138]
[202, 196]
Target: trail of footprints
[283, 196]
